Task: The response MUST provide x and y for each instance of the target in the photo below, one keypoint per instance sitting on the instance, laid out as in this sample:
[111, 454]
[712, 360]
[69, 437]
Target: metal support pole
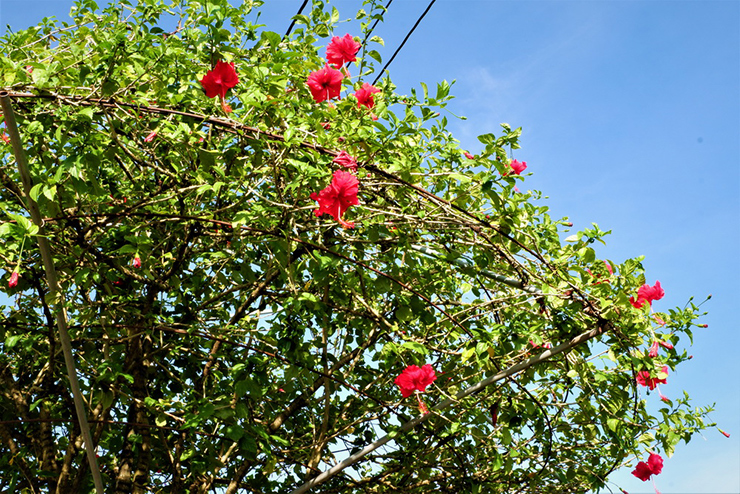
[56, 294]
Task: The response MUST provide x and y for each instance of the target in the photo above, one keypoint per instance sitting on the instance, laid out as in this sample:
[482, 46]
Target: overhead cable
[290, 28]
[418, 21]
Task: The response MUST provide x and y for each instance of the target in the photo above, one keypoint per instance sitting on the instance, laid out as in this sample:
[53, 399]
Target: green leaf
[306, 296]
[234, 432]
[161, 420]
[50, 192]
[461, 178]
[415, 347]
[375, 56]
[613, 424]
[404, 313]
[35, 191]
[12, 341]
[88, 112]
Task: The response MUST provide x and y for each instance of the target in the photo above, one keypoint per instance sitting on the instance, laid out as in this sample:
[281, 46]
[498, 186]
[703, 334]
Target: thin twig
[514, 369]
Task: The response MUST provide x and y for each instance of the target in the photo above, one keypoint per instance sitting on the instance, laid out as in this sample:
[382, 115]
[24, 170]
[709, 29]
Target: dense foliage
[228, 338]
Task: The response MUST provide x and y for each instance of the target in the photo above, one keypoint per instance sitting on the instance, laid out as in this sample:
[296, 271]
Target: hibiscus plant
[309, 250]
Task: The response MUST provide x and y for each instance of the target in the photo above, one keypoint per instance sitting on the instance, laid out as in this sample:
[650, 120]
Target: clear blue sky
[631, 117]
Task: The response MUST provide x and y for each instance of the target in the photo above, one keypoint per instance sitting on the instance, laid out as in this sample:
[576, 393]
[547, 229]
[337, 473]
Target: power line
[290, 28]
[418, 21]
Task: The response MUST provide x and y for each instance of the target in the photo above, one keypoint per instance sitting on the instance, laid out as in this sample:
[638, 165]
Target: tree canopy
[267, 260]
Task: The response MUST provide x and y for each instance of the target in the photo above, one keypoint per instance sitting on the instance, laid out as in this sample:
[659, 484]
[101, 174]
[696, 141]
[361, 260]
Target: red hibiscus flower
[342, 50]
[346, 161]
[338, 197]
[647, 293]
[653, 349]
[651, 293]
[653, 466]
[544, 345]
[150, 137]
[219, 80]
[662, 397]
[415, 379]
[608, 268]
[325, 84]
[136, 262]
[518, 167]
[643, 378]
[13, 282]
[364, 96]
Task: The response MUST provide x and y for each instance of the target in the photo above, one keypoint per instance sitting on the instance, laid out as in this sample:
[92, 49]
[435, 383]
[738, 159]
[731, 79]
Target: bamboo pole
[56, 294]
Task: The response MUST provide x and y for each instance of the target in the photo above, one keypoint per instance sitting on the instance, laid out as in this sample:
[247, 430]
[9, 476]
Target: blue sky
[631, 119]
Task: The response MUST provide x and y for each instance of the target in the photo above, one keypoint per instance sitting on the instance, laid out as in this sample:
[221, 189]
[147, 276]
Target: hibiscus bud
[568, 223]
[13, 280]
[703, 325]
[723, 432]
[422, 407]
[136, 262]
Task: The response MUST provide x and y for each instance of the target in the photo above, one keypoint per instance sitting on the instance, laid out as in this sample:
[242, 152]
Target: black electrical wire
[290, 28]
[404, 41]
